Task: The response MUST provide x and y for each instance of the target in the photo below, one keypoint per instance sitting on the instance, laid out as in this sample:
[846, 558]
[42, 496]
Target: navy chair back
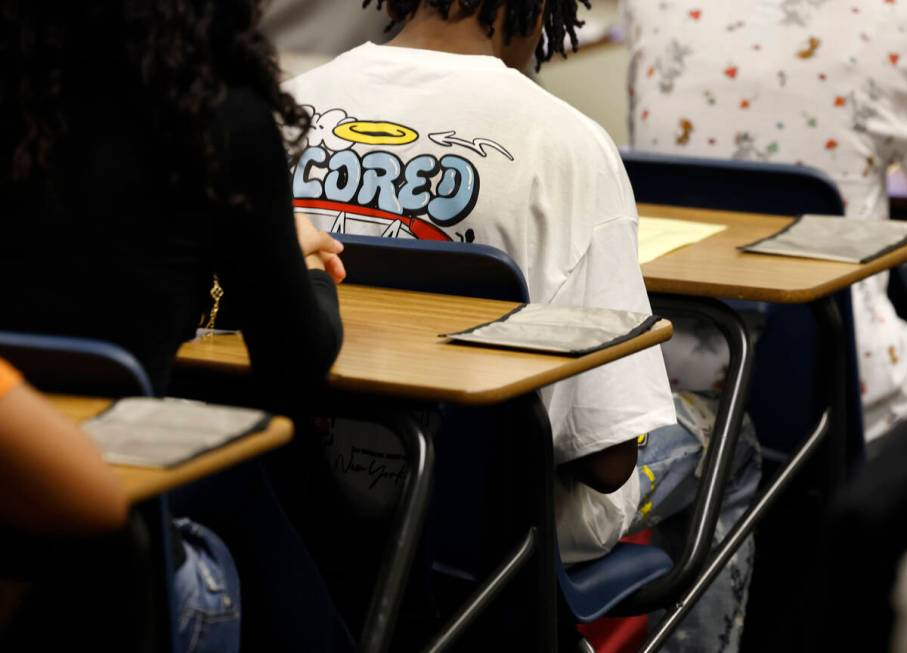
[433, 266]
[777, 189]
[75, 365]
[784, 365]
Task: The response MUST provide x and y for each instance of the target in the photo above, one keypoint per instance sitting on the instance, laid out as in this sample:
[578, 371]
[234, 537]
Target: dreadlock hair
[180, 55]
[559, 22]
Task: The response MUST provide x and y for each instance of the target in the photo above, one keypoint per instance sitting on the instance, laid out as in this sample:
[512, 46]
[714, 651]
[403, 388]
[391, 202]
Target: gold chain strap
[216, 293]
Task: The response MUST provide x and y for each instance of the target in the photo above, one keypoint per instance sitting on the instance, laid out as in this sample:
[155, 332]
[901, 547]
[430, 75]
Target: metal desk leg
[831, 426]
[404, 537]
[833, 370]
[531, 426]
[541, 447]
[483, 596]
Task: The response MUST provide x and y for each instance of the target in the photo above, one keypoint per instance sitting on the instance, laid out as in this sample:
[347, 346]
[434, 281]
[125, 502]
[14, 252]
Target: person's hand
[320, 250]
[332, 264]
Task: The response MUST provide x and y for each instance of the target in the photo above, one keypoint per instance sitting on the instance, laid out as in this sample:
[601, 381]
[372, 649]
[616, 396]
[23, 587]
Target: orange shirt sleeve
[9, 378]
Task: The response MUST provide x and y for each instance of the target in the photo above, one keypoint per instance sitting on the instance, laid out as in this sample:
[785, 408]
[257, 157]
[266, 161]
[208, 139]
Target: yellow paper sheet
[658, 236]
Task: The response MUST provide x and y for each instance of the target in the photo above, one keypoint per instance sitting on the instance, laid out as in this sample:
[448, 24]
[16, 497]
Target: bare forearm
[607, 470]
[52, 477]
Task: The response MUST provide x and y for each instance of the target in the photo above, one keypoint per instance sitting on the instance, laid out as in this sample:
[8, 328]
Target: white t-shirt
[815, 82]
[422, 144]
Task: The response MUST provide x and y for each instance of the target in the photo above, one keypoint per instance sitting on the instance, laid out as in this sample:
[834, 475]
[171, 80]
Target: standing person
[822, 84]
[817, 83]
[140, 157]
[439, 135]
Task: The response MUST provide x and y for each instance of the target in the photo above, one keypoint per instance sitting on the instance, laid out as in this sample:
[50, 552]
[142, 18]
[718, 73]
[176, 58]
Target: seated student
[61, 508]
[816, 84]
[438, 135]
[140, 158]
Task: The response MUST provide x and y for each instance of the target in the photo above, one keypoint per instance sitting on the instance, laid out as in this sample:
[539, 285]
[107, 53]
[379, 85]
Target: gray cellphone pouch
[558, 329]
[148, 432]
[834, 238]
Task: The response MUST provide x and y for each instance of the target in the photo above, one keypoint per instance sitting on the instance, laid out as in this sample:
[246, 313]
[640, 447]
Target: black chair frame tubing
[409, 518]
[830, 432]
[719, 457]
[538, 544]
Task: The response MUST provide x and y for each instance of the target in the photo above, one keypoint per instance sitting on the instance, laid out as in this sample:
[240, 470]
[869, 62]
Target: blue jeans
[207, 593]
[669, 467]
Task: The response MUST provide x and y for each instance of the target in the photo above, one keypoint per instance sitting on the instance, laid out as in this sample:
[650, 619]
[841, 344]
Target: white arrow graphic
[477, 145]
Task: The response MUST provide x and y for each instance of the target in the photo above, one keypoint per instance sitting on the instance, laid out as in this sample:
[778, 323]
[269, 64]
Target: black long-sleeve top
[116, 251]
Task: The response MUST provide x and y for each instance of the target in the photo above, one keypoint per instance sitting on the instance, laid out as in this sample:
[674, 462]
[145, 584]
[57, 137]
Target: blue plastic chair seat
[593, 588]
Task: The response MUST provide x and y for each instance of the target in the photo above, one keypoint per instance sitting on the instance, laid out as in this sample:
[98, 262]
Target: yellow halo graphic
[375, 133]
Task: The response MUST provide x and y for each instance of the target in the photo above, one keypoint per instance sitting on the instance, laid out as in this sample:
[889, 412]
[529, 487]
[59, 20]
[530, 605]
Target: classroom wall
[594, 79]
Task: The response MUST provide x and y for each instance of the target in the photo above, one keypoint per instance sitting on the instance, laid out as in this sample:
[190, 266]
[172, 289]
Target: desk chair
[458, 269]
[84, 366]
[591, 589]
[775, 189]
[786, 361]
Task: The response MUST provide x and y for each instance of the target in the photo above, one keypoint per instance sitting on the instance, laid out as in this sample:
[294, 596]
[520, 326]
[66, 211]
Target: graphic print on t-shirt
[366, 191]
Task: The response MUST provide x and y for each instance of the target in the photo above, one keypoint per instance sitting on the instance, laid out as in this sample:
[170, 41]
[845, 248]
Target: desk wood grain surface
[714, 267]
[143, 483]
[391, 347]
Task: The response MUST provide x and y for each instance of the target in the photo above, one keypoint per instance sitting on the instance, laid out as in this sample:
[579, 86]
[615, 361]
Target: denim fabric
[207, 593]
[669, 466]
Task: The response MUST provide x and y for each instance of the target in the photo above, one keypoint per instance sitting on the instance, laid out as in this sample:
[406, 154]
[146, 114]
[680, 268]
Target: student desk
[146, 490]
[391, 349]
[143, 483]
[715, 268]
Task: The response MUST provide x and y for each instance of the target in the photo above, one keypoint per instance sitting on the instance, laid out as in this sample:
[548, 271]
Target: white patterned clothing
[821, 83]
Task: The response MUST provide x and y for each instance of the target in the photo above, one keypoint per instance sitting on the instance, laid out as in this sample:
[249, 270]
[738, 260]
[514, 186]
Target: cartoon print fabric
[421, 144]
[821, 83]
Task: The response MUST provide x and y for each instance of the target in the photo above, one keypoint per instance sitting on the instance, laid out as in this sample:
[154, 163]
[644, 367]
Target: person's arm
[598, 415]
[607, 470]
[289, 315]
[52, 478]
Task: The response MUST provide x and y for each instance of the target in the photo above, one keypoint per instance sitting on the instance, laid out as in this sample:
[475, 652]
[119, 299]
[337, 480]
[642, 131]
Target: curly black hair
[559, 22]
[180, 55]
